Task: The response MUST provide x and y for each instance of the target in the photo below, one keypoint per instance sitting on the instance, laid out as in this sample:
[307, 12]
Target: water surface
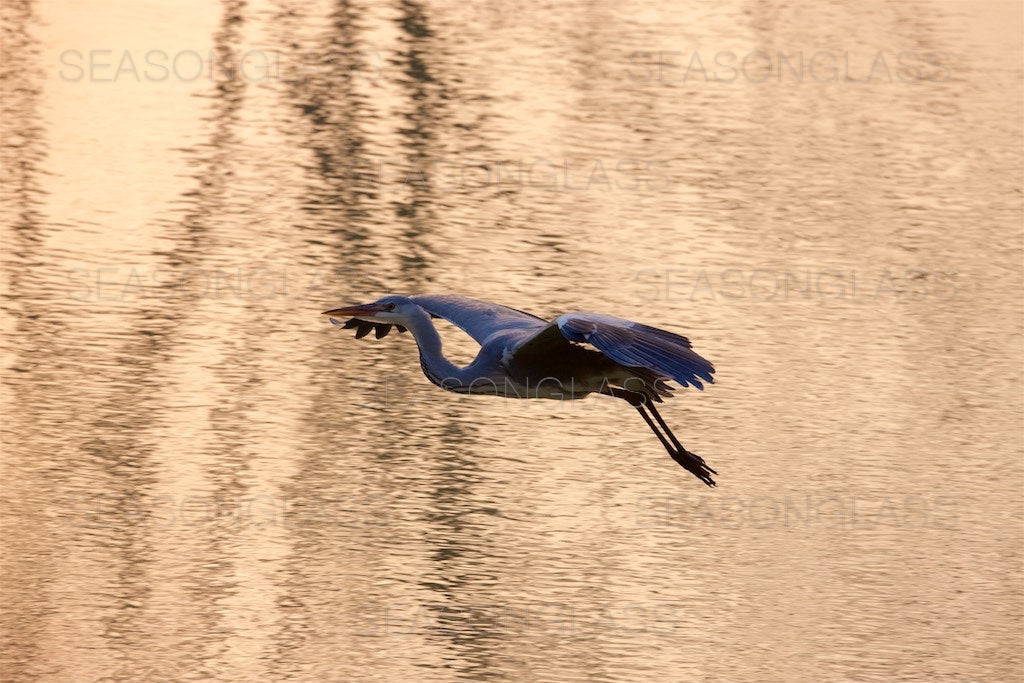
[204, 480]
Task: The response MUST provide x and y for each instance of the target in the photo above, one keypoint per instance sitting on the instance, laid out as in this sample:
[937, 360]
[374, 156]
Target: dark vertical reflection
[327, 67]
[462, 615]
[426, 100]
[459, 549]
[205, 579]
[323, 78]
[356, 190]
[216, 159]
[104, 485]
[96, 479]
[22, 153]
[23, 146]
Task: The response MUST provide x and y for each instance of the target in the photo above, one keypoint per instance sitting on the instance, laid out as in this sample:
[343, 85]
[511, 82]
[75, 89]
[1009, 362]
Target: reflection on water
[203, 480]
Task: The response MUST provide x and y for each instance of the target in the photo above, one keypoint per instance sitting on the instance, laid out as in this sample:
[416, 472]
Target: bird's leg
[654, 428]
[657, 416]
[692, 462]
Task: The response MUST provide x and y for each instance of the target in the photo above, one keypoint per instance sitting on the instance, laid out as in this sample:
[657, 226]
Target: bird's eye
[389, 307]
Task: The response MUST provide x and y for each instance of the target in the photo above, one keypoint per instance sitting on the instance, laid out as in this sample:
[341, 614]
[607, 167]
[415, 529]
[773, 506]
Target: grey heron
[525, 356]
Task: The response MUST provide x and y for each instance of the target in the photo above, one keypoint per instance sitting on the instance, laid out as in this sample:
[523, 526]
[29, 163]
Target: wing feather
[635, 345]
[478, 319]
[629, 344]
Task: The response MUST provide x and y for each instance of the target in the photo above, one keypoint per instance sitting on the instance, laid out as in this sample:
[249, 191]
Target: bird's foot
[694, 464]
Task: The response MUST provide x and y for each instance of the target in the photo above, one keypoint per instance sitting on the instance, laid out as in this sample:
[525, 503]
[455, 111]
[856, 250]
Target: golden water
[202, 479]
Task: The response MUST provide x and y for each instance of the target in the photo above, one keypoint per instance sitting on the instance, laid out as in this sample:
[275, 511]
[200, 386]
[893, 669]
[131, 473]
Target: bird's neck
[432, 360]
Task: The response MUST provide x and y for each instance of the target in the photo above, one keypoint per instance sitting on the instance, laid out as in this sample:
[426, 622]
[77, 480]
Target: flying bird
[524, 356]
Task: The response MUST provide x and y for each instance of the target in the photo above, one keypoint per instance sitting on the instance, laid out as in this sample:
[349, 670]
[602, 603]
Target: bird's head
[393, 310]
[378, 316]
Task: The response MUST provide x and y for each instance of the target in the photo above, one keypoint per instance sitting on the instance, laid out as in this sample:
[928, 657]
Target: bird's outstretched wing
[627, 343]
[478, 319]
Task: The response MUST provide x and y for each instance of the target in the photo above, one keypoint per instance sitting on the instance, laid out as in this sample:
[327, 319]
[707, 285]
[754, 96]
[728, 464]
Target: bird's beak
[364, 311]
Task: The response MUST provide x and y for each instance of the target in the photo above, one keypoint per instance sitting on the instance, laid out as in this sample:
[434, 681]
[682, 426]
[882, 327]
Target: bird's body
[524, 356]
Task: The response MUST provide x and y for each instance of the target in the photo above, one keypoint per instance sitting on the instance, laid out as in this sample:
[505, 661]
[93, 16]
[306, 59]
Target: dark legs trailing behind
[690, 461]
